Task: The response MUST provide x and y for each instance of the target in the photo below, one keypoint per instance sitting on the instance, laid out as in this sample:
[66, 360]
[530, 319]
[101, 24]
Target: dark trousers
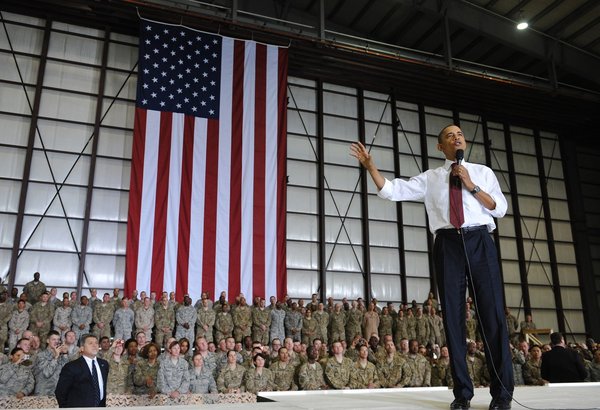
[452, 278]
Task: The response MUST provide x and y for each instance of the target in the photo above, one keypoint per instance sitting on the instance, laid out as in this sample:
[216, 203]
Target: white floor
[569, 396]
[576, 396]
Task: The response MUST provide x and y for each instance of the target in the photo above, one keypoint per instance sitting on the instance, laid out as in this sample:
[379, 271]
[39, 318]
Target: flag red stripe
[258, 242]
[210, 208]
[282, 173]
[160, 215]
[135, 202]
[235, 210]
[185, 204]
[226, 232]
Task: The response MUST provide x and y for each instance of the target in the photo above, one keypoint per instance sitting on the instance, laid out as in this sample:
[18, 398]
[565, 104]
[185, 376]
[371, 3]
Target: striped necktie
[96, 384]
[457, 217]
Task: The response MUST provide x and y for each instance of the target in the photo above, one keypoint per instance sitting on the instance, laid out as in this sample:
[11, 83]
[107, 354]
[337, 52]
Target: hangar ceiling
[551, 68]
[561, 47]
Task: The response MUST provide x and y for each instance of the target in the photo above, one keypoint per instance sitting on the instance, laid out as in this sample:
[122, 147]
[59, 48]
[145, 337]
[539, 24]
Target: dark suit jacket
[75, 386]
[561, 365]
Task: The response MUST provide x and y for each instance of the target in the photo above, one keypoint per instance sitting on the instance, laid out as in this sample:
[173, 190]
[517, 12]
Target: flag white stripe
[246, 268]
[271, 169]
[173, 201]
[197, 210]
[148, 203]
[224, 169]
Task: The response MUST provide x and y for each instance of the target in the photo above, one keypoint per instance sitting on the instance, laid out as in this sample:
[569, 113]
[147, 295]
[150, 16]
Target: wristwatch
[475, 190]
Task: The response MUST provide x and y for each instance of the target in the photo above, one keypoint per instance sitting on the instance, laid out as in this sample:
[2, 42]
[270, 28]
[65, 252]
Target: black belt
[466, 229]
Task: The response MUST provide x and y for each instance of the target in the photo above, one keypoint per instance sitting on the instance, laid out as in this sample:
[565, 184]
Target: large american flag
[207, 196]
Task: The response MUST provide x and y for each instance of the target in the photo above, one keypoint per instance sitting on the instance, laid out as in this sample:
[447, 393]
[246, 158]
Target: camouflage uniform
[471, 329]
[185, 315]
[277, 324]
[34, 290]
[395, 372]
[309, 330]
[231, 379]
[164, 318]
[242, 322]
[261, 317]
[361, 377]
[353, 324]
[337, 325]
[221, 360]
[386, 324]
[123, 323]
[476, 368]
[322, 319]
[422, 329]
[144, 319]
[174, 376]
[511, 325]
[255, 382]
[421, 370]
[103, 313]
[6, 310]
[283, 376]
[338, 374]
[62, 317]
[593, 372]
[440, 373]
[206, 317]
[41, 312]
[17, 325]
[223, 326]
[16, 378]
[532, 373]
[411, 327]
[293, 325]
[210, 362]
[118, 376]
[46, 370]
[202, 382]
[435, 329]
[142, 371]
[401, 331]
[310, 376]
[81, 316]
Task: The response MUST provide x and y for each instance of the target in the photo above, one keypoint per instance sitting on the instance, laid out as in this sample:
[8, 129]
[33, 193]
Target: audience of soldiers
[162, 346]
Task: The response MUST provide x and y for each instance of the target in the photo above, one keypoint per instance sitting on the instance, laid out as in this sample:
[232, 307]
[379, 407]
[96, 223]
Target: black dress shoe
[500, 405]
[460, 404]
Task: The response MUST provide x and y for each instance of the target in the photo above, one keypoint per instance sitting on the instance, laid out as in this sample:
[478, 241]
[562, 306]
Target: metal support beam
[321, 193]
[560, 314]
[514, 199]
[234, 10]
[92, 172]
[399, 213]
[447, 40]
[321, 19]
[364, 203]
[12, 271]
[581, 236]
[425, 165]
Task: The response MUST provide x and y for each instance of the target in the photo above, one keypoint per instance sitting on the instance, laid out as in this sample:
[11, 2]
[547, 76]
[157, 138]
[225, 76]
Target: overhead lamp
[522, 23]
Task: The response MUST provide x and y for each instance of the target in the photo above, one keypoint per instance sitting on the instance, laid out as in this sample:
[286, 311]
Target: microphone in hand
[460, 155]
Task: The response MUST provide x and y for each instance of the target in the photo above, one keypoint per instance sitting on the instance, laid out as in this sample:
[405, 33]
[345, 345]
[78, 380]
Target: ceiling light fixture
[522, 23]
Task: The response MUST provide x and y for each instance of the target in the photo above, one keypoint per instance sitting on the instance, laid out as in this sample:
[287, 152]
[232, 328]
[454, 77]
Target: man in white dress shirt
[461, 229]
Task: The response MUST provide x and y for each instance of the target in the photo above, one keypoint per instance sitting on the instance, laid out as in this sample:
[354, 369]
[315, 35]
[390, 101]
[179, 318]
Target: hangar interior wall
[540, 275]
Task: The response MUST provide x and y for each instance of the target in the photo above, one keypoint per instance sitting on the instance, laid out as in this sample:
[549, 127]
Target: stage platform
[572, 396]
[568, 396]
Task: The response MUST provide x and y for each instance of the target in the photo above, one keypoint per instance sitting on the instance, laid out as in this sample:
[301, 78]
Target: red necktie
[457, 217]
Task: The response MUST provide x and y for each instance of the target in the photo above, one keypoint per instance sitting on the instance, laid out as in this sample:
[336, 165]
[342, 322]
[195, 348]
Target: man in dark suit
[82, 382]
[561, 364]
